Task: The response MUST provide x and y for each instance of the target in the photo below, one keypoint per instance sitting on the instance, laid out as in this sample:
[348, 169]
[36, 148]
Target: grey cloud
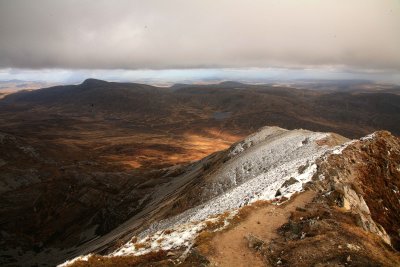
[208, 33]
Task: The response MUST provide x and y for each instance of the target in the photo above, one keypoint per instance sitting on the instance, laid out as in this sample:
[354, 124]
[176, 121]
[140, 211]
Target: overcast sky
[361, 36]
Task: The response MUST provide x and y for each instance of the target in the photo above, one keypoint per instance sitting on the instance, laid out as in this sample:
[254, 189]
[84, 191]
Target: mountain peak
[231, 83]
[92, 81]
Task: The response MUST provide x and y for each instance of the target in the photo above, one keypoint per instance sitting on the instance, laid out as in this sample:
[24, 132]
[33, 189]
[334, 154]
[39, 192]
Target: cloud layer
[151, 34]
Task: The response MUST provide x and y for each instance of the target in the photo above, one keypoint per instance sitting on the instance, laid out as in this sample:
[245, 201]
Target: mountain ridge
[181, 236]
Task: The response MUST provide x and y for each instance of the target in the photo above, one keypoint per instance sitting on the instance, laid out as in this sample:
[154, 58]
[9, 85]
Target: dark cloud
[164, 34]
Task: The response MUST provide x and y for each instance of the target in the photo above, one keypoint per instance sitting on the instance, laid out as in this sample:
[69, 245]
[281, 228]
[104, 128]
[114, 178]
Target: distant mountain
[223, 84]
[14, 85]
[232, 84]
[11, 86]
[351, 114]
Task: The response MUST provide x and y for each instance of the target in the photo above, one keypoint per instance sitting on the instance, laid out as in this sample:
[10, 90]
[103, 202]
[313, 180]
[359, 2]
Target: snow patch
[80, 258]
[339, 149]
[368, 137]
[255, 138]
[177, 237]
[181, 236]
[302, 178]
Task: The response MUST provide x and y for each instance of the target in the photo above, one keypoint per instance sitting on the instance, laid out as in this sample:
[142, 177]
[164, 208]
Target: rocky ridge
[342, 178]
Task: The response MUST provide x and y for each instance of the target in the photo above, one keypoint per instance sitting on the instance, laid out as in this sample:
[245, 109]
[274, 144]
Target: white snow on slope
[80, 258]
[257, 168]
[274, 153]
[339, 149]
[179, 236]
[368, 137]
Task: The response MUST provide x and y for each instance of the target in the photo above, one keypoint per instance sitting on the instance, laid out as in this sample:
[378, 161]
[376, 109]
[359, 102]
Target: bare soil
[231, 248]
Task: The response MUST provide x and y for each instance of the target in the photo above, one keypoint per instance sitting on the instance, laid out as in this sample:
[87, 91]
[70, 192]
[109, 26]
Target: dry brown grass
[245, 211]
[142, 245]
[332, 140]
[202, 242]
[168, 231]
[218, 223]
[121, 261]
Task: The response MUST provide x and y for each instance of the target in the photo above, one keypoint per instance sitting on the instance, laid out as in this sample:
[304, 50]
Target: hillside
[85, 167]
[352, 113]
[322, 197]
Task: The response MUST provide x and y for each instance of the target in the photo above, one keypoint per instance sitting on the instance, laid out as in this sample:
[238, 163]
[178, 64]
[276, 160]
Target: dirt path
[230, 248]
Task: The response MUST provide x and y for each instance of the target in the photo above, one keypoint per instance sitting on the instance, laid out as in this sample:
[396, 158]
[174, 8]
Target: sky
[199, 40]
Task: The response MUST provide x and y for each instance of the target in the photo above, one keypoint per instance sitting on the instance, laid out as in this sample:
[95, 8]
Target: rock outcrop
[364, 178]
